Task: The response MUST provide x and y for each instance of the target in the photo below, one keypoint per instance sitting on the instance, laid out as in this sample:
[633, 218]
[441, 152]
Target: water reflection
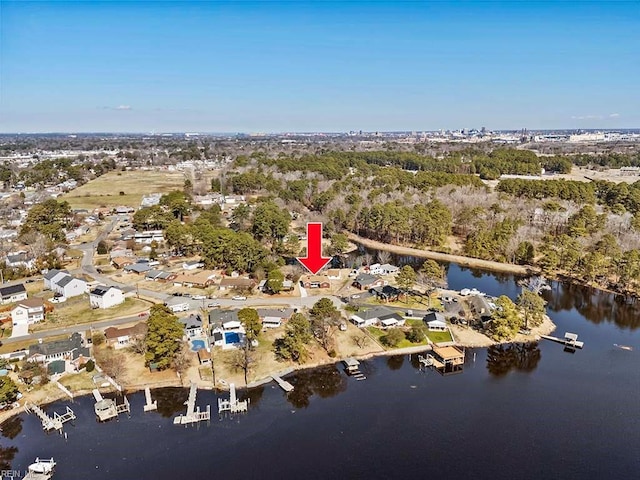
[12, 427]
[325, 382]
[7, 454]
[594, 305]
[501, 359]
[170, 400]
[395, 362]
[254, 395]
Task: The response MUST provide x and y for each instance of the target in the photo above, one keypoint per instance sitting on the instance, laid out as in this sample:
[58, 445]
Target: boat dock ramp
[51, 423]
[352, 367]
[570, 340]
[193, 415]
[106, 408]
[233, 405]
[149, 405]
[286, 386]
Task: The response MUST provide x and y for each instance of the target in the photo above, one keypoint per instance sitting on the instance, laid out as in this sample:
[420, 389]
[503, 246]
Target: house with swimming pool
[226, 329]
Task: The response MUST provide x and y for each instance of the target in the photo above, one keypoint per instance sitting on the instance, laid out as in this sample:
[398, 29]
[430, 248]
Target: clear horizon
[280, 67]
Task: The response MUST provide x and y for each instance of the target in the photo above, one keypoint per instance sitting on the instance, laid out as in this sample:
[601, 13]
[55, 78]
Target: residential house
[382, 316]
[12, 293]
[435, 322]
[333, 274]
[138, 268]
[226, 328]
[19, 260]
[366, 281]
[104, 296]
[71, 350]
[201, 279]
[236, 283]
[60, 282]
[192, 325]
[123, 337]
[69, 286]
[374, 269]
[28, 311]
[121, 262]
[149, 236]
[388, 269]
[315, 281]
[274, 317]
[386, 293]
[480, 308]
[287, 286]
[159, 276]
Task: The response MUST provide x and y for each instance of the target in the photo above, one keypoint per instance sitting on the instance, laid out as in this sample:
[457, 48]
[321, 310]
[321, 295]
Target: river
[516, 411]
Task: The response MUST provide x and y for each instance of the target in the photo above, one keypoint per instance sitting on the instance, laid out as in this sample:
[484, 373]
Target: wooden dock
[286, 386]
[193, 415]
[233, 405]
[51, 423]
[106, 408]
[570, 340]
[149, 405]
[352, 367]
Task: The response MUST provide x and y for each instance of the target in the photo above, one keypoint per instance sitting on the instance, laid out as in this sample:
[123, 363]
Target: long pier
[51, 423]
[193, 415]
[286, 386]
[570, 340]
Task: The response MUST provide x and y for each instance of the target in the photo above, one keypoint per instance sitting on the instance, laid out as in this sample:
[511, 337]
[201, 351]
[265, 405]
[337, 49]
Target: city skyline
[279, 67]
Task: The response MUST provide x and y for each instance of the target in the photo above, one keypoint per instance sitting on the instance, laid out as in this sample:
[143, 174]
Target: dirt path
[445, 257]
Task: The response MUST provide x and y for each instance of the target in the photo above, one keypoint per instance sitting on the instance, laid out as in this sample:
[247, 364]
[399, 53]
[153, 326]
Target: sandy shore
[445, 257]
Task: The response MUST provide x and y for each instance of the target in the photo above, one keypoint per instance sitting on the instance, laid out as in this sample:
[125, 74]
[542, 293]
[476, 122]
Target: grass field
[77, 310]
[105, 190]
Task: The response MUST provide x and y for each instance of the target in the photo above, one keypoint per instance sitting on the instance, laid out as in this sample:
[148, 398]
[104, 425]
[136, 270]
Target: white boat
[623, 347]
[41, 469]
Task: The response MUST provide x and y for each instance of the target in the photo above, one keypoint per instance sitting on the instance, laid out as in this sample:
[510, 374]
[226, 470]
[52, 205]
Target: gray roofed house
[64, 281]
[435, 321]
[52, 273]
[68, 349]
[13, 293]
[365, 281]
[480, 307]
[140, 267]
[378, 315]
[282, 313]
[192, 325]
[219, 317]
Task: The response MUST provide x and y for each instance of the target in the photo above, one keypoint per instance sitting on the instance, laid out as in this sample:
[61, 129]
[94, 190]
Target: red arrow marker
[314, 261]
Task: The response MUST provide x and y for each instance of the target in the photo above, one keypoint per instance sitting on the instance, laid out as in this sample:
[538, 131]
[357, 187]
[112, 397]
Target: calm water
[516, 412]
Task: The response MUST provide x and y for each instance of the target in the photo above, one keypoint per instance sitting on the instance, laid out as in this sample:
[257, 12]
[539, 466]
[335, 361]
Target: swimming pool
[231, 337]
[197, 345]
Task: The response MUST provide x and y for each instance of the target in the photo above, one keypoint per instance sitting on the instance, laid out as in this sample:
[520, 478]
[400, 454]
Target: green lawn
[378, 333]
[437, 337]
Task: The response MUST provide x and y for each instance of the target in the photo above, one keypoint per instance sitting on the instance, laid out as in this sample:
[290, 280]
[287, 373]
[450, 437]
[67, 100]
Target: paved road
[73, 328]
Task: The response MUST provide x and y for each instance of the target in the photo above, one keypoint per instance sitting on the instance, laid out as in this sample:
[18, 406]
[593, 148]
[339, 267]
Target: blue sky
[317, 66]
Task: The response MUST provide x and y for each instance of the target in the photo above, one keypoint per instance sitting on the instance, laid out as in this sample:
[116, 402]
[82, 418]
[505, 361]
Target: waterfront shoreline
[545, 328]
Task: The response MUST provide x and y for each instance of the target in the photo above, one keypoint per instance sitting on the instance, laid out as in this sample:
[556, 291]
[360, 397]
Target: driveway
[19, 331]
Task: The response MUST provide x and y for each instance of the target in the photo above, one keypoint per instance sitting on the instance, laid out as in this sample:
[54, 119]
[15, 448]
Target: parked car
[213, 304]
[239, 298]
[198, 297]
[143, 314]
